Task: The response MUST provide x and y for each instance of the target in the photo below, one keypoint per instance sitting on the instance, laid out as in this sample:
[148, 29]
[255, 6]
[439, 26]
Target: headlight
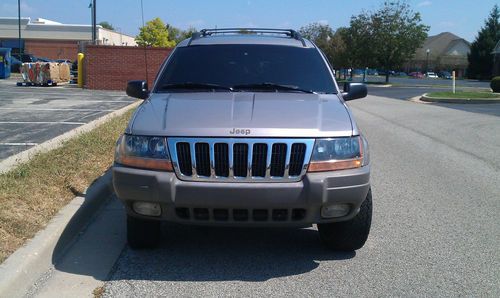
[339, 154]
[143, 152]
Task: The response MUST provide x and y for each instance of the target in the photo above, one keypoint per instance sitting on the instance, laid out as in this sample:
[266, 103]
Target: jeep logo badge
[240, 131]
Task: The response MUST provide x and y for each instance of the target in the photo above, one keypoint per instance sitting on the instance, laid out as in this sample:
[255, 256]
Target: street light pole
[94, 22]
[19, 27]
[427, 61]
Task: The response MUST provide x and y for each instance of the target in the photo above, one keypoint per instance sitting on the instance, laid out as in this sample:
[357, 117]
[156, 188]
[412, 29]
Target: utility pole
[19, 27]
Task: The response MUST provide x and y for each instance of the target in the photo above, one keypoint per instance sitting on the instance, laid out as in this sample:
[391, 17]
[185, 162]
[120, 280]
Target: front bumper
[302, 200]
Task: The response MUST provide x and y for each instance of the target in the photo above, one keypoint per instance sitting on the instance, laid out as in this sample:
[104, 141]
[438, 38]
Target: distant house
[444, 51]
[496, 59]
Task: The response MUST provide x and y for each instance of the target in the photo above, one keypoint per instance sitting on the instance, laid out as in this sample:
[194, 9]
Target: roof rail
[208, 32]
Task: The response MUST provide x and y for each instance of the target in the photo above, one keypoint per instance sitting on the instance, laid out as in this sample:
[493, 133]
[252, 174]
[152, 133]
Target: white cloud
[323, 22]
[424, 3]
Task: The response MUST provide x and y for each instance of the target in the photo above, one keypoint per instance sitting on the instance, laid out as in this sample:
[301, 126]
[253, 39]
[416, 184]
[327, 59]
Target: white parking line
[41, 122]
[73, 93]
[57, 109]
[71, 100]
[18, 144]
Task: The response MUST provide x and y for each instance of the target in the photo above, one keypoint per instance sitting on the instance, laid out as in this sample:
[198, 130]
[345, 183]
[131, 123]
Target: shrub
[495, 84]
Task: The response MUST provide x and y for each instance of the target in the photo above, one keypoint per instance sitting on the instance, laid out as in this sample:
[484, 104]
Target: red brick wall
[110, 67]
[52, 49]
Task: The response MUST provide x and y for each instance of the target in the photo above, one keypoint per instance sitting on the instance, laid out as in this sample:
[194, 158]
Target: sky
[461, 17]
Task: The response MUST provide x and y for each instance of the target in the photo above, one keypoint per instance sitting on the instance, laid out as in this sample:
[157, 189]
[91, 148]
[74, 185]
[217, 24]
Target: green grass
[465, 95]
[32, 193]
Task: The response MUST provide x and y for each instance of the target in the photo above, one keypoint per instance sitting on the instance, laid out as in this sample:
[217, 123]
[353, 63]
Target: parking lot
[435, 172]
[33, 115]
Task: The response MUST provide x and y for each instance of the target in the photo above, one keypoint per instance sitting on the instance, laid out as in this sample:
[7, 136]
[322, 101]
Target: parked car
[383, 72]
[373, 72]
[358, 72]
[64, 61]
[401, 74]
[15, 64]
[28, 58]
[43, 59]
[445, 75]
[238, 164]
[431, 75]
[416, 75]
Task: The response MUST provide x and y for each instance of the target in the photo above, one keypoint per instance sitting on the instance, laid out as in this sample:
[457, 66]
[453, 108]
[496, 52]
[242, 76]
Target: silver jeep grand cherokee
[245, 127]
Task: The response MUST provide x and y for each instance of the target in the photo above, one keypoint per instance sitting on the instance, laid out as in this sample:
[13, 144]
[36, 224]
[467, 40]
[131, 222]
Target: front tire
[143, 233]
[349, 235]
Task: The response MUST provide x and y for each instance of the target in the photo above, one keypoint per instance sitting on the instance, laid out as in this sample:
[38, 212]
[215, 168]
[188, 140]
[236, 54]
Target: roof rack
[208, 32]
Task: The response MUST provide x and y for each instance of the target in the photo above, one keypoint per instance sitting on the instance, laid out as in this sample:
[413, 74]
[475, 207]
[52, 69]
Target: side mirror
[138, 89]
[354, 91]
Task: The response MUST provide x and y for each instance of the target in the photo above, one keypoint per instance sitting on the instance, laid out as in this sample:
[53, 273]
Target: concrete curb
[22, 157]
[25, 266]
[458, 100]
[379, 86]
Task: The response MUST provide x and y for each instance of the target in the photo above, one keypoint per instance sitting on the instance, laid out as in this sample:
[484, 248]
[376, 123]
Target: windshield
[247, 67]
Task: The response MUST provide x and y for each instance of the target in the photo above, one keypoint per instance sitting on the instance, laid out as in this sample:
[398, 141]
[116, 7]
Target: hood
[242, 114]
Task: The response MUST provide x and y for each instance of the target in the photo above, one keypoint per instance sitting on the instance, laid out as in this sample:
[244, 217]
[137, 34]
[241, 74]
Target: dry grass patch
[33, 193]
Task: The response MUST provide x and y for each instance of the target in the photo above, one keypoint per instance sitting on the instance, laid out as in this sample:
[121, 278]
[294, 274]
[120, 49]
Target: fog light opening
[148, 209]
[335, 210]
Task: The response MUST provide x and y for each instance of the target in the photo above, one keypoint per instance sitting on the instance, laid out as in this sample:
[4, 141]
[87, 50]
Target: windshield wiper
[197, 86]
[272, 86]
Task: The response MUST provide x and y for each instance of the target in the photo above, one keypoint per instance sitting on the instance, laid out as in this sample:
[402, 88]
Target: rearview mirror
[138, 89]
[354, 91]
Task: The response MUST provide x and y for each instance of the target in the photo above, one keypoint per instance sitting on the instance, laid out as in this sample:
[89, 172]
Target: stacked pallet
[45, 73]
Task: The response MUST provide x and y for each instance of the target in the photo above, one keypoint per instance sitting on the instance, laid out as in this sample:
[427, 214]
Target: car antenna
[145, 52]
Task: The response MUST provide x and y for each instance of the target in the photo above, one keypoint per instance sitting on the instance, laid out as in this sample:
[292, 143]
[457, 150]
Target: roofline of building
[29, 25]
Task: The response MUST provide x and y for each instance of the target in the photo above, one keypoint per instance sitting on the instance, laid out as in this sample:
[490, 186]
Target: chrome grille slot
[202, 151]
[240, 159]
[221, 152]
[278, 157]
[296, 159]
[259, 159]
[184, 158]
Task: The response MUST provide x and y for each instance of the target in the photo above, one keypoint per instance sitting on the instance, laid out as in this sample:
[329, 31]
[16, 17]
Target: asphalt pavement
[32, 115]
[435, 174]
[406, 81]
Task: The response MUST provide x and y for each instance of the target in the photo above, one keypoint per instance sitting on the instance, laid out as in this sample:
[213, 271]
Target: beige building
[442, 52]
[54, 40]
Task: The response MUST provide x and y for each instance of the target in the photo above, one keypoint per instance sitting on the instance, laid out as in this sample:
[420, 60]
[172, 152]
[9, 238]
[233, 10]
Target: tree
[154, 34]
[179, 35]
[322, 35]
[386, 38]
[341, 53]
[174, 33]
[480, 57]
[188, 33]
[106, 25]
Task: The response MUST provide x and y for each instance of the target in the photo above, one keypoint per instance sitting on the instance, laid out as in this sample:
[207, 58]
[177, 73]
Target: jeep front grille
[240, 160]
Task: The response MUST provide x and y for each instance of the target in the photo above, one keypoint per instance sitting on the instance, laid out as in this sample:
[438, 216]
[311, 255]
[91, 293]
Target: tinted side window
[230, 65]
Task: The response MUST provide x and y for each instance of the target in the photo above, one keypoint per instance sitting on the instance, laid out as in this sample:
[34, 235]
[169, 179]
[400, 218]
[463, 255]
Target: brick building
[110, 68]
[54, 40]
